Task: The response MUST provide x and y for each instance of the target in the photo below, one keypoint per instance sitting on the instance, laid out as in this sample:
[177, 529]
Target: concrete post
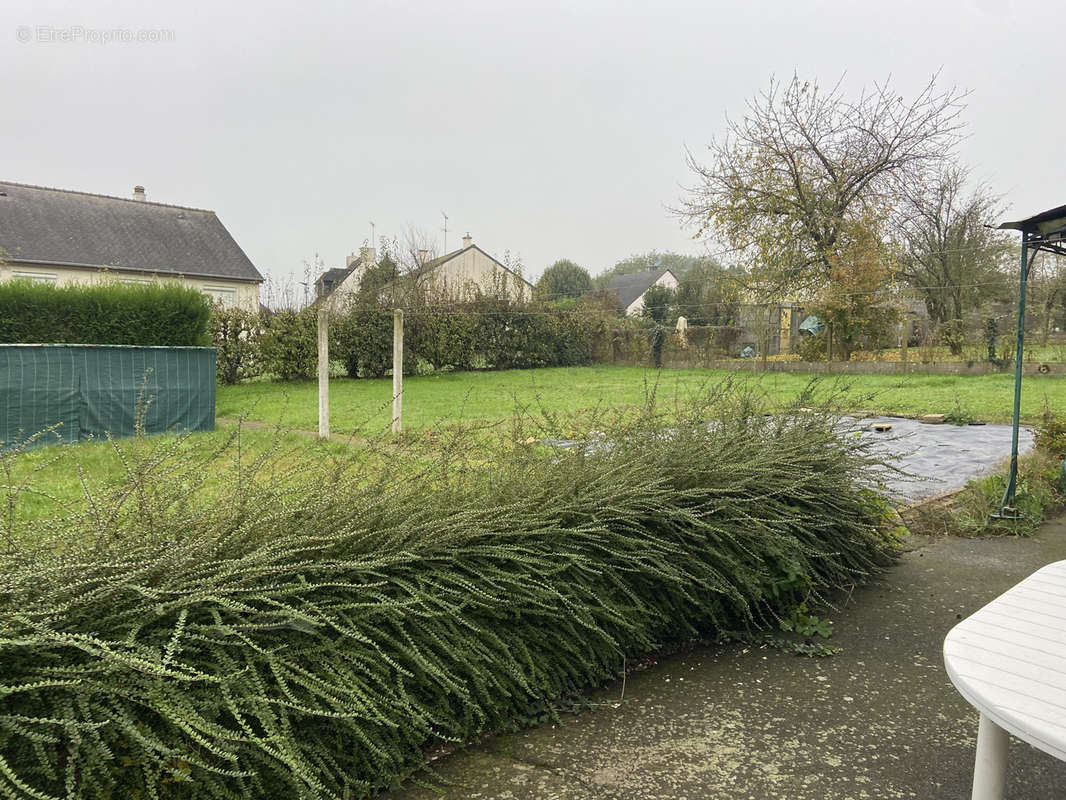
[397, 370]
[323, 371]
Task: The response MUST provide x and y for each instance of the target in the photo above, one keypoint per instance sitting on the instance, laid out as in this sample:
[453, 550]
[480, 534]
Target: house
[60, 237]
[631, 288]
[338, 284]
[470, 269]
[455, 276]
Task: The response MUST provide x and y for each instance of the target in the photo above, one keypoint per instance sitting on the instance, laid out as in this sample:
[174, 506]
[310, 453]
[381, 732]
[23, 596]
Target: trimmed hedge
[488, 332]
[288, 345]
[235, 334]
[165, 315]
[312, 643]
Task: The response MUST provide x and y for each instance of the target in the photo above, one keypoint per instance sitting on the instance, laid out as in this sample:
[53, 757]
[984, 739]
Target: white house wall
[246, 293]
[472, 268]
[346, 289]
[636, 308]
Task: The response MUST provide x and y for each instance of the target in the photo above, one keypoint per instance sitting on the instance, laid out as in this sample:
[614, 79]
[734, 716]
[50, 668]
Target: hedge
[235, 334]
[488, 332]
[315, 642]
[289, 344]
[166, 315]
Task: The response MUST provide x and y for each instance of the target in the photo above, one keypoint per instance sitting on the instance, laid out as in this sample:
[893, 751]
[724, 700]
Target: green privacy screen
[93, 390]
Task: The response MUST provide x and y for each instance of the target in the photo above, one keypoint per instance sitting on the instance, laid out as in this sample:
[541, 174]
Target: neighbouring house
[456, 276]
[340, 283]
[631, 288]
[60, 236]
[469, 270]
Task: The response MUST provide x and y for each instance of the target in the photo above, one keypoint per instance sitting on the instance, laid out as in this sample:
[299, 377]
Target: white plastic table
[1009, 661]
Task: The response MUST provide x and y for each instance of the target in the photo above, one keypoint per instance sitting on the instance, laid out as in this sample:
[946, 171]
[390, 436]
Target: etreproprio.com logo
[75, 34]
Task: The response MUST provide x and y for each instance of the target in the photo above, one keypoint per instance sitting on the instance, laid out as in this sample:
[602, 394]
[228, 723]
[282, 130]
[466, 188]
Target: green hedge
[313, 643]
[489, 332]
[288, 344]
[166, 315]
[486, 333]
[236, 334]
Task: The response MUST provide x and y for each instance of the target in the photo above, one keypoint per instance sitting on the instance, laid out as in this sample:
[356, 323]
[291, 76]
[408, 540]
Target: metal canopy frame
[1044, 231]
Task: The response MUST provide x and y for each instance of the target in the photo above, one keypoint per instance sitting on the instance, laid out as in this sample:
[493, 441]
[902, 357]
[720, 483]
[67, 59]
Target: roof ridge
[433, 263]
[440, 261]
[105, 196]
[649, 270]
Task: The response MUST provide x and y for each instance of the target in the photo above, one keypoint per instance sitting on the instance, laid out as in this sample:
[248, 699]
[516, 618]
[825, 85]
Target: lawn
[63, 480]
[440, 400]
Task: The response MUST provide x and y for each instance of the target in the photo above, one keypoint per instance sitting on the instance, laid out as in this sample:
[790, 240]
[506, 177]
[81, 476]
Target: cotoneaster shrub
[311, 634]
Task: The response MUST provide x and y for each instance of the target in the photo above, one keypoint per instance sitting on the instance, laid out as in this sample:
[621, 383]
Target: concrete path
[880, 720]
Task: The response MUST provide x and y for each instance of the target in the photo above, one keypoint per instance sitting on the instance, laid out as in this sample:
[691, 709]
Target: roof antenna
[445, 229]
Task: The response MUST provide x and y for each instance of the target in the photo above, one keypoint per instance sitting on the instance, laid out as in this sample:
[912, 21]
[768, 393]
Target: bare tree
[946, 251]
[1047, 292]
[294, 290]
[404, 266]
[417, 249]
[790, 183]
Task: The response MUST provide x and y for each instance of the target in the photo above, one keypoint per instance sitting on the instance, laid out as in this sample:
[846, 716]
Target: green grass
[441, 400]
[61, 480]
[436, 403]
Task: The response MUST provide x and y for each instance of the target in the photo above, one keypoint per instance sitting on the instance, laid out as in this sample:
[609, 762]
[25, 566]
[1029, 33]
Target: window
[223, 295]
[36, 277]
[134, 281]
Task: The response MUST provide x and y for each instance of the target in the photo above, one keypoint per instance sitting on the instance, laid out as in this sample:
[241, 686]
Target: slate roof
[40, 225]
[630, 287]
[332, 278]
[436, 262]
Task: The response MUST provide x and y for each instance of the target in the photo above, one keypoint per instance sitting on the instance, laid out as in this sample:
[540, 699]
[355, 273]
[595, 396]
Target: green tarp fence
[91, 391]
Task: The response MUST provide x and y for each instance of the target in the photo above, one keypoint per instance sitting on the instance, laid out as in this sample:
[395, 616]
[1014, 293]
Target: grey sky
[553, 130]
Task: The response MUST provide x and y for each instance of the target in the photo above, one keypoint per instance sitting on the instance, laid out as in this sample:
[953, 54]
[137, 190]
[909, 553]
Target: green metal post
[1007, 508]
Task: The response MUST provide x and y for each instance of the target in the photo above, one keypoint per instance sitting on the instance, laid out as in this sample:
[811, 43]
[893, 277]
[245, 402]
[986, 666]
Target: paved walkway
[880, 720]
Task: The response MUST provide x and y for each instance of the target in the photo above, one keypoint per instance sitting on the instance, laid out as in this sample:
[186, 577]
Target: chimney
[467, 241]
[423, 256]
[350, 259]
[138, 193]
[368, 256]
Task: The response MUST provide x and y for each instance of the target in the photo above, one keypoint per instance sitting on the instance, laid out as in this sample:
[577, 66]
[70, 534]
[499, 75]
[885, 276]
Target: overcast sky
[552, 130]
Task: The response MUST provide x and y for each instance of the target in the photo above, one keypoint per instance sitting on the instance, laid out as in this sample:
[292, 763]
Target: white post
[397, 370]
[323, 371]
[990, 765]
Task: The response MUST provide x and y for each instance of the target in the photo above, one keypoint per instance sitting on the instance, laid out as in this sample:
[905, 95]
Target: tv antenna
[445, 229]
